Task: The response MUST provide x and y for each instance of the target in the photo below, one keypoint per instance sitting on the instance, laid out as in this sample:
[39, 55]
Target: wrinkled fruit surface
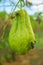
[21, 33]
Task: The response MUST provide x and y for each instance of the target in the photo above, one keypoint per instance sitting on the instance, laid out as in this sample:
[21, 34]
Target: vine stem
[20, 4]
[16, 5]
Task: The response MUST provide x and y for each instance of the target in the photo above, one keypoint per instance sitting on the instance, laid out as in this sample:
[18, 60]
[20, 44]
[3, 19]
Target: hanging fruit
[21, 34]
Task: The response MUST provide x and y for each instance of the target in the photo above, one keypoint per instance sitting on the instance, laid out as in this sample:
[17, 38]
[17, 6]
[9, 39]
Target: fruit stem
[19, 1]
[20, 4]
[16, 5]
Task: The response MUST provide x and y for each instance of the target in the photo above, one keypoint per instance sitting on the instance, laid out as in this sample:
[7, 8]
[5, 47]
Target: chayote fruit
[21, 34]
